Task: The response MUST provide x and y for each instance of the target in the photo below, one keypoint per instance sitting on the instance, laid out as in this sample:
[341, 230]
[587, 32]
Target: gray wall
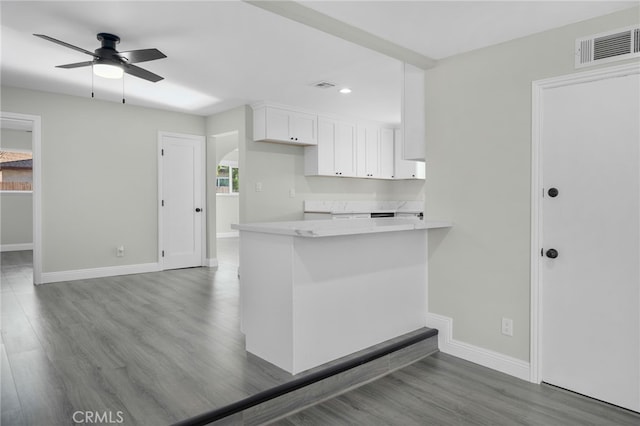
[99, 177]
[478, 175]
[16, 218]
[16, 209]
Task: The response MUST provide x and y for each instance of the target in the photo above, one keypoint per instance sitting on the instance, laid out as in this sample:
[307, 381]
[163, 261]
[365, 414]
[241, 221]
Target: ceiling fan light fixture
[108, 71]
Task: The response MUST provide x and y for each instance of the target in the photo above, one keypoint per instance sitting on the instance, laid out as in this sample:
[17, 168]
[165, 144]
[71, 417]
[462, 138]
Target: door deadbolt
[552, 253]
[553, 192]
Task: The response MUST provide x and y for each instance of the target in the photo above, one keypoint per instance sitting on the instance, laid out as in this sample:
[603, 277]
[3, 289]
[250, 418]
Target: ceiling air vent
[606, 47]
[324, 85]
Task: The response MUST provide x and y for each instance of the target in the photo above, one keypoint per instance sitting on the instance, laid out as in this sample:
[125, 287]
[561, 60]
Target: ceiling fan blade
[76, 65]
[142, 73]
[142, 55]
[62, 43]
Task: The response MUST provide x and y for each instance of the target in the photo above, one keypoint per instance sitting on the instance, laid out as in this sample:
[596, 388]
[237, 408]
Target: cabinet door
[413, 113]
[325, 149]
[368, 151]
[345, 149]
[303, 128]
[406, 169]
[386, 153]
[278, 124]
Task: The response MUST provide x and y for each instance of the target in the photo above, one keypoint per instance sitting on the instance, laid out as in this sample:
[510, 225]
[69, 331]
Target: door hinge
[162, 253]
[542, 252]
[162, 203]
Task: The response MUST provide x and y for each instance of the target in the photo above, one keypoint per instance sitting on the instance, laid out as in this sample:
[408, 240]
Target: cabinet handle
[296, 138]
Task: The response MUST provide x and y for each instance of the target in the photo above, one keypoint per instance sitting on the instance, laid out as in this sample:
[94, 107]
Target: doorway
[227, 195]
[181, 194]
[586, 234]
[24, 196]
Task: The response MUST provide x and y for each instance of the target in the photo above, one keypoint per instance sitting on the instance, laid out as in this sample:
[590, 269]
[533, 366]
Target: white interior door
[590, 292]
[181, 200]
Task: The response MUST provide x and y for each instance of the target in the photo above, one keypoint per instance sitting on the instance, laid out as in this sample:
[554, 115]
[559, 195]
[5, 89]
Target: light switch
[258, 186]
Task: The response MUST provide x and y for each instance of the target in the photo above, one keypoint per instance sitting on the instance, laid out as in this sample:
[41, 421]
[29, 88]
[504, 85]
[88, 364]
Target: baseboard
[109, 271]
[487, 358]
[211, 262]
[231, 234]
[16, 247]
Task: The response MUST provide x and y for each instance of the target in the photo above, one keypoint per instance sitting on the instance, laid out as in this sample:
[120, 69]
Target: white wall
[227, 213]
[16, 208]
[99, 186]
[478, 175]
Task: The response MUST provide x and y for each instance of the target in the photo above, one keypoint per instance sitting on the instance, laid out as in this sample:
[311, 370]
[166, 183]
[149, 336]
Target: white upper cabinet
[413, 113]
[386, 157]
[406, 169]
[368, 148]
[335, 153]
[276, 124]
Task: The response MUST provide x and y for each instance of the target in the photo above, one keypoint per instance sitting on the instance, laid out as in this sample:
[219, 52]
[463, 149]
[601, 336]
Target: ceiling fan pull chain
[92, 81]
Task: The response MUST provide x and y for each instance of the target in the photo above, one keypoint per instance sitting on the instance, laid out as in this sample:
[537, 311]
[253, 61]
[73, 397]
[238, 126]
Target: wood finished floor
[159, 347]
[443, 390]
[162, 347]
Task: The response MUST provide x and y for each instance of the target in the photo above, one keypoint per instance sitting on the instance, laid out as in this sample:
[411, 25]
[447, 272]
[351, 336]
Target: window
[227, 178]
[16, 170]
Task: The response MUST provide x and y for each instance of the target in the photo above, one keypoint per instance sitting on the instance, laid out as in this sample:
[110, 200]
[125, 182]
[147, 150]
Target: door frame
[36, 149]
[203, 195]
[537, 109]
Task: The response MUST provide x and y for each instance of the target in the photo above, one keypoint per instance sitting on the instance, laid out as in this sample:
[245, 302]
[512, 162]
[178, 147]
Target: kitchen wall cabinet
[275, 124]
[406, 169]
[413, 113]
[387, 153]
[368, 150]
[335, 152]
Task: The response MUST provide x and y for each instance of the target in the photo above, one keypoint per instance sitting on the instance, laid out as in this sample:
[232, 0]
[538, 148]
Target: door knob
[552, 253]
[198, 209]
[553, 192]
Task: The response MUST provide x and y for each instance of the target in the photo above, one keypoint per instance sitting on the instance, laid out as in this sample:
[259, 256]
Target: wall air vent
[606, 47]
[324, 85]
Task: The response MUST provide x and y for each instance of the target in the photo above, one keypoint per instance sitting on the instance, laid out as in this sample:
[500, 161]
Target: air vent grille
[611, 46]
[324, 85]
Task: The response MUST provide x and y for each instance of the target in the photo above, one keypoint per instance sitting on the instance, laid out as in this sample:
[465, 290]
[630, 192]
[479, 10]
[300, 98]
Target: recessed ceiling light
[345, 90]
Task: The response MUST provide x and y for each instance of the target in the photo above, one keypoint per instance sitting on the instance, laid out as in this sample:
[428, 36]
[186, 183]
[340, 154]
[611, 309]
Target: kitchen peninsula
[316, 290]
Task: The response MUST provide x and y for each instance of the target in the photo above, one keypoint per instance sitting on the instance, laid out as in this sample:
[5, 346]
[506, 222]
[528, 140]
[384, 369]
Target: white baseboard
[211, 262]
[16, 247]
[487, 358]
[109, 271]
[231, 234]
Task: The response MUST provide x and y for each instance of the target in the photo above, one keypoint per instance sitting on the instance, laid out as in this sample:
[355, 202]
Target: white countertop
[328, 228]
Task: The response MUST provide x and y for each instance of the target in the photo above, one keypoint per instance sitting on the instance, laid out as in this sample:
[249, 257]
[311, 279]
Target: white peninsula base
[314, 291]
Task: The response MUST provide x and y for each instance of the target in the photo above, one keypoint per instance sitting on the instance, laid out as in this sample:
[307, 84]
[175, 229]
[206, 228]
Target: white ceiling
[221, 54]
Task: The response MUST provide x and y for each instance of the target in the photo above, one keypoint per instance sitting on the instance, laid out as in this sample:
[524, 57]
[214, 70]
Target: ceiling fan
[108, 62]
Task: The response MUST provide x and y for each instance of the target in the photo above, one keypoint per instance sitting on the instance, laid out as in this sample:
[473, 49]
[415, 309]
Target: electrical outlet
[292, 193]
[507, 326]
[120, 251]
